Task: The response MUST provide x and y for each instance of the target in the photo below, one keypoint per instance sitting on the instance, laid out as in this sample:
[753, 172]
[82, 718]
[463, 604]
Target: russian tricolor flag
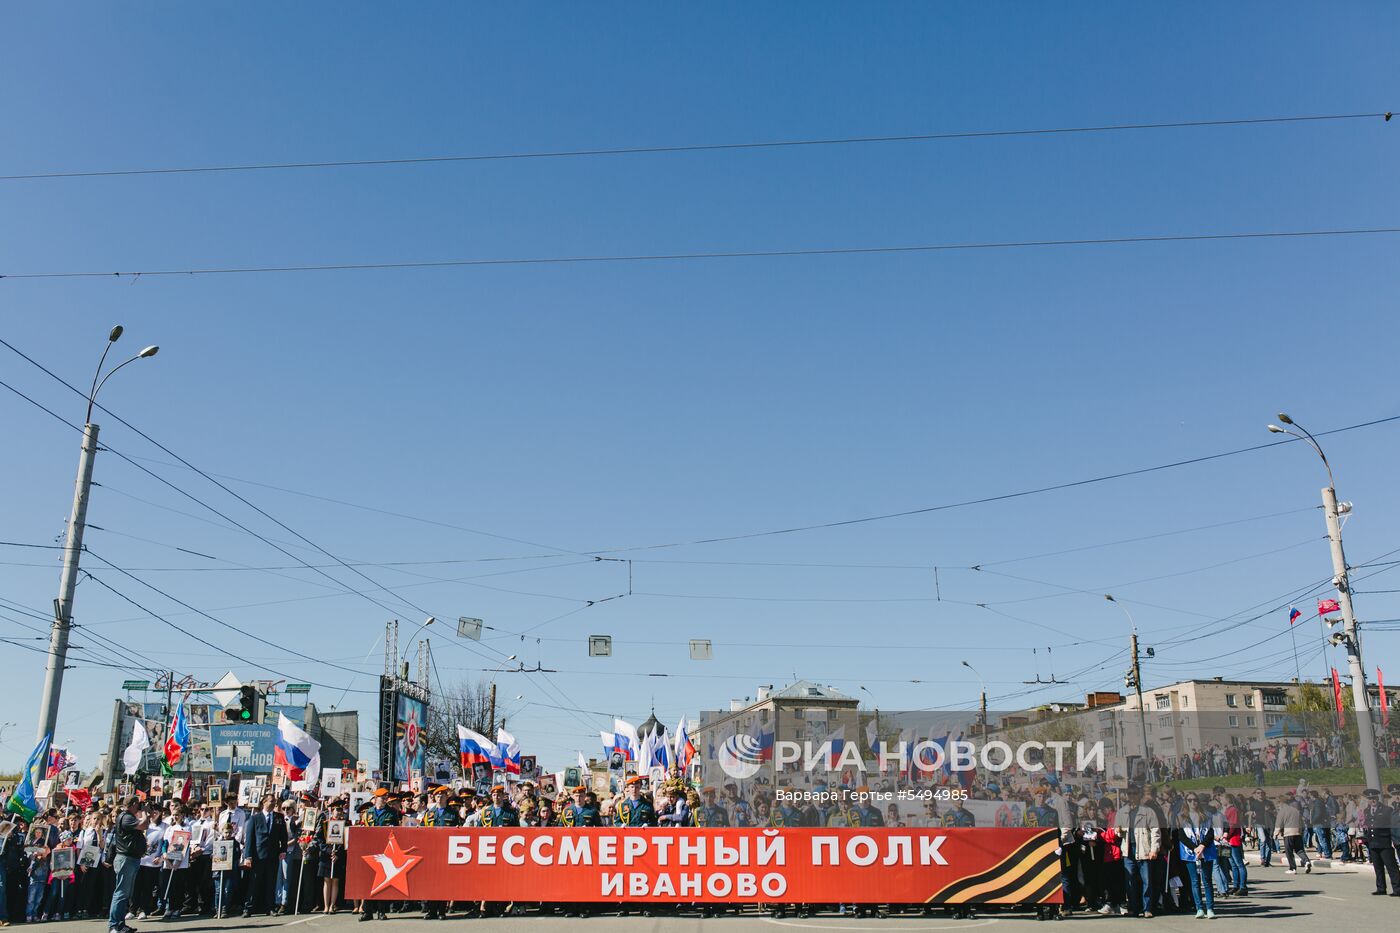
[765, 744]
[508, 752]
[296, 751]
[475, 748]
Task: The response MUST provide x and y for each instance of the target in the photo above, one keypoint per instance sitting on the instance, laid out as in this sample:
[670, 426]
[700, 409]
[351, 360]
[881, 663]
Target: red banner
[693, 865]
[1337, 695]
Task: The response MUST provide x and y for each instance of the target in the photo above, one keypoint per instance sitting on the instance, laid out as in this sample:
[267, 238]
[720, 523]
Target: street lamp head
[115, 335]
[431, 620]
[1109, 597]
[966, 665]
[511, 658]
[1275, 429]
[1284, 418]
[149, 351]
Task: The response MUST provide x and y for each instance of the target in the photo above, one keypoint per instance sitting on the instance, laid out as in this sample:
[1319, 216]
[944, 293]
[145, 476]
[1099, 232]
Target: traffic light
[249, 708]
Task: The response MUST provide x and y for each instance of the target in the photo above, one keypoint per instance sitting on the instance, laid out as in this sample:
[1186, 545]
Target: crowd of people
[1303, 754]
[1142, 852]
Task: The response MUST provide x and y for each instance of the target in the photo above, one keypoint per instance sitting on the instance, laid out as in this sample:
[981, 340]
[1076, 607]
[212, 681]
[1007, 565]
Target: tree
[465, 703]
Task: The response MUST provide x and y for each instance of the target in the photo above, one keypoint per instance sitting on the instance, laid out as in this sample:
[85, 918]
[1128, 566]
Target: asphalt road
[1324, 900]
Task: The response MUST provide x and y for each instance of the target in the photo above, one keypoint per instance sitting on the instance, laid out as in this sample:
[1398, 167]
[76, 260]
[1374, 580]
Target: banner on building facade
[695, 865]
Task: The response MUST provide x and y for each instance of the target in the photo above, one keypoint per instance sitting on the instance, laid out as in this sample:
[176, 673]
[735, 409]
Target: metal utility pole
[1351, 636]
[1142, 708]
[983, 684]
[1361, 699]
[491, 725]
[73, 547]
[1137, 685]
[67, 582]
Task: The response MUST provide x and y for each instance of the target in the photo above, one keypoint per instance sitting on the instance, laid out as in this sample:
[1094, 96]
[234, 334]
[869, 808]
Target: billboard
[410, 718]
[207, 734]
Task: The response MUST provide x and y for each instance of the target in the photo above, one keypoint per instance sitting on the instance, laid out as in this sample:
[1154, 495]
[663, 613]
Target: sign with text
[698, 865]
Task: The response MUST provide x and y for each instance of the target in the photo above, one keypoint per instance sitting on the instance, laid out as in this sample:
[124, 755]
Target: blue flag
[23, 801]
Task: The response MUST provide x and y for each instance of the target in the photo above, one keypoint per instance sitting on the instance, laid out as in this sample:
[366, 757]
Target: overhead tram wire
[200, 612]
[923, 567]
[223, 651]
[964, 503]
[721, 254]
[1055, 487]
[217, 483]
[702, 147]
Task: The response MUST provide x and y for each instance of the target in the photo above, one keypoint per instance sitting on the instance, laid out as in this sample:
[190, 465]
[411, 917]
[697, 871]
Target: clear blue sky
[596, 406]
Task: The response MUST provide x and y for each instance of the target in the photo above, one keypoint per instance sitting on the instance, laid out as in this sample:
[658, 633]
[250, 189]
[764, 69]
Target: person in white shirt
[175, 860]
[143, 901]
[199, 889]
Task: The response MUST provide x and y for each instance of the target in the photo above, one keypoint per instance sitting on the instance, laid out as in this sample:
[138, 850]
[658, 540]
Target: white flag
[140, 741]
[582, 762]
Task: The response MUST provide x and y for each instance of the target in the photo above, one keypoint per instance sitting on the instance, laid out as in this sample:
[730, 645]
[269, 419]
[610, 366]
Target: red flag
[1325, 606]
[80, 797]
[1385, 707]
[1337, 693]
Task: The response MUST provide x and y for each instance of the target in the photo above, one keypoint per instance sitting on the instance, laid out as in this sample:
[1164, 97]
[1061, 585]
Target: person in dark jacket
[265, 838]
[1376, 821]
[128, 846]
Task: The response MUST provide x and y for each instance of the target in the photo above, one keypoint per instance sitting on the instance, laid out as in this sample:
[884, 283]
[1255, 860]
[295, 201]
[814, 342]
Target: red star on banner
[392, 867]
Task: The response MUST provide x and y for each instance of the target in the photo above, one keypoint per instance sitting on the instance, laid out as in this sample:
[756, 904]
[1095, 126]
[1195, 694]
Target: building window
[1185, 702]
[797, 714]
[1272, 719]
[1249, 700]
[1275, 698]
[1230, 700]
[1164, 721]
[1249, 720]
[1234, 721]
[1235, 740]
[1163, 701]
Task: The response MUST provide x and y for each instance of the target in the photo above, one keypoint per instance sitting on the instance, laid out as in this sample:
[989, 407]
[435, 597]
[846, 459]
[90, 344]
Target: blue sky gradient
[618, 405]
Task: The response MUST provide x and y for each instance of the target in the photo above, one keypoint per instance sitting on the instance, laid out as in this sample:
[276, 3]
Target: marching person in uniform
[710, 813]
[499, 813]
[635, 810]
[441, 814]
[379, 814]
[1376, 831]
[578, 815]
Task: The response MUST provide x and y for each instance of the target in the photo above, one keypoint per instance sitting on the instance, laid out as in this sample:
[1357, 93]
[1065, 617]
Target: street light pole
[1137, 683]
[983, 684]
[72, 550]
[1361, 699]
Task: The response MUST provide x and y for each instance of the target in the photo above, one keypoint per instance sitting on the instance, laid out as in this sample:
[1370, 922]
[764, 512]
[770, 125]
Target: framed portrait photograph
[309, 821]
[89, 857]
[157, 786]
[124, 790]
[215, 794]
[221, 855]
[179, 846]
[335, 832]
[61, 862]
[279, 776]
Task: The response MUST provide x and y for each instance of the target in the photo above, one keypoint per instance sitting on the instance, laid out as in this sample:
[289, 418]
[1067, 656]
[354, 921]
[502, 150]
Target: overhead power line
[696, 147]
[722, 254]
